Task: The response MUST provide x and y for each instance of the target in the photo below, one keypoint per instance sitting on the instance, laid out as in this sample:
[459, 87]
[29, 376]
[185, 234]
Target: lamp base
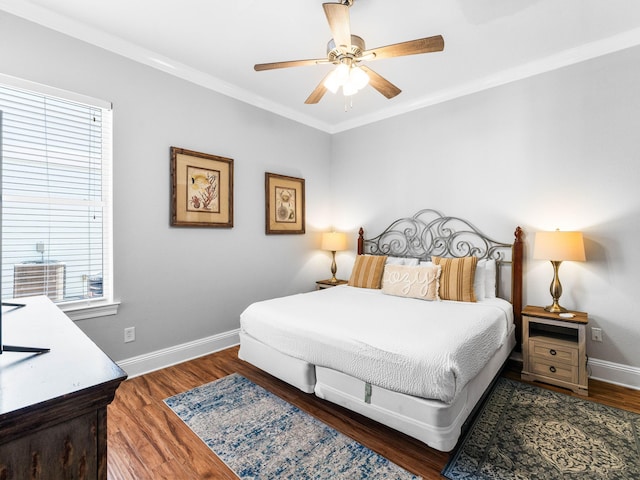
[555, 308]
[334, 268]
[555, 289]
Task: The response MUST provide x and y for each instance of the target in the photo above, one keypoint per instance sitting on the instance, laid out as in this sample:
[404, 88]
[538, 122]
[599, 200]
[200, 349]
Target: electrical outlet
[129, 334]
[596, 334]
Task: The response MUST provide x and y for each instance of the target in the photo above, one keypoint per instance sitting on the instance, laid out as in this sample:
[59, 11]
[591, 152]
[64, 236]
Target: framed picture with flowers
[201, 189]
[284, 202]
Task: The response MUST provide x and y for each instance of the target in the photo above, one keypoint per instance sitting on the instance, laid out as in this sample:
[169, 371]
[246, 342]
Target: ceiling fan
[347, 51]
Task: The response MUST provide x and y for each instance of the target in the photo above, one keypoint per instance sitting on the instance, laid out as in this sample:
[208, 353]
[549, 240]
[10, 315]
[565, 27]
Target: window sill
[84, 311]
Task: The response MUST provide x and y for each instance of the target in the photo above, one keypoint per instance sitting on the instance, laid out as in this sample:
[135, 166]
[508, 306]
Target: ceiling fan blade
[318, 92]
[338, 18]
[381, 84]
[293, 63]
[412, 47]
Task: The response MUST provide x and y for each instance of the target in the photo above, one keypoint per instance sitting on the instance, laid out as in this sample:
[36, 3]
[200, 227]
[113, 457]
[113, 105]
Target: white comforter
[417, 347]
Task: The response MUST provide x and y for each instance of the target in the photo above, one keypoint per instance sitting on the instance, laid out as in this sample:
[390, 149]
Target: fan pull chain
[350, 103]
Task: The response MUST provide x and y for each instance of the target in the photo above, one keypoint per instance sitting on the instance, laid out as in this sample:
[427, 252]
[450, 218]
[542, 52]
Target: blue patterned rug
[260, 436]
[526, 432]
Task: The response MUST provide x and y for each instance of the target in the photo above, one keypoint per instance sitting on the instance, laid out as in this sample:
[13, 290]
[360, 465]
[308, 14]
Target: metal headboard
[429, 233]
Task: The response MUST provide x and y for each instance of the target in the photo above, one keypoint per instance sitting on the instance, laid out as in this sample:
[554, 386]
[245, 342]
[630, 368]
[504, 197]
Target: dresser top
[75, 367]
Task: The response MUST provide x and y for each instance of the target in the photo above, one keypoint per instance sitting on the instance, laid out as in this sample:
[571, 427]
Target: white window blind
[56, 196]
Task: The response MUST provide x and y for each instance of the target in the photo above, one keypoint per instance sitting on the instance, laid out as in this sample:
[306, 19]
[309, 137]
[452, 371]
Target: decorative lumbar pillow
[456, 278]
[413, 282]
[367, 271]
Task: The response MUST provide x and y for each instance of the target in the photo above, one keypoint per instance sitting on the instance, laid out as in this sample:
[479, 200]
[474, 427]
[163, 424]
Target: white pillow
[410, 262]
[395, 261]
[479, 280]
[490, 279]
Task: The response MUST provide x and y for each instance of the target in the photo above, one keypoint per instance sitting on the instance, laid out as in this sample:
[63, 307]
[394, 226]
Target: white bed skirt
[295, 372]
[433, 422]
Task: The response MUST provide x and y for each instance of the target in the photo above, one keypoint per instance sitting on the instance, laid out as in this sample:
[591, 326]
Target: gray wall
[559, 150]
[181, 284]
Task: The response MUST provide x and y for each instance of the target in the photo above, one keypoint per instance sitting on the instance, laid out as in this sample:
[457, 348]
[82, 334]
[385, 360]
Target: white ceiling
[216, 43]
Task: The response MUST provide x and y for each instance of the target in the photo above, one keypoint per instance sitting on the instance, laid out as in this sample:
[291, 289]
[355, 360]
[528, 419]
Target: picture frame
[201, 189]
[284, 204]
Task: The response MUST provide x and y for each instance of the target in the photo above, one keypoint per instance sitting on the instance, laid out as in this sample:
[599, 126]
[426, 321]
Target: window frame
[80, 309]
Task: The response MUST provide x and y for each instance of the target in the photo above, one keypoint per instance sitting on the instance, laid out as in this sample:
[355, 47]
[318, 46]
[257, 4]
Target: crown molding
[109, 42]
[562, 59]
[129, 50]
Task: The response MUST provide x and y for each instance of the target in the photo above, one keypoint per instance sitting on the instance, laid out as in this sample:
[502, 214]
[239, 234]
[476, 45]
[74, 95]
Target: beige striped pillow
[456, 278]
[367, 271]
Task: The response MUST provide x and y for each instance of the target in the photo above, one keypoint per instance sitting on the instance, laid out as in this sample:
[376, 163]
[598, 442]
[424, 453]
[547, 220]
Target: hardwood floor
[147, 441]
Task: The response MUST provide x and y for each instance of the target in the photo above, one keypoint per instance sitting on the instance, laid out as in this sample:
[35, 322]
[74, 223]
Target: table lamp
[557, 247]
[334, 242]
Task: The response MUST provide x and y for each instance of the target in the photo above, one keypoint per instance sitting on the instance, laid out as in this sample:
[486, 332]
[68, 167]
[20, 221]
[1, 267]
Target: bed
[414, 356]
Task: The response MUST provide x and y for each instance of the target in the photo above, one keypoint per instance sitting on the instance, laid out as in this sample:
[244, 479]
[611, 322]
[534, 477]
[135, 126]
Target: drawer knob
[552, 369]
[552, 351]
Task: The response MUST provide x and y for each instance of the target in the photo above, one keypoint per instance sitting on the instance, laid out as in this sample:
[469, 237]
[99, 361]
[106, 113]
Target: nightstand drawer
[558, 371]
[554, 351]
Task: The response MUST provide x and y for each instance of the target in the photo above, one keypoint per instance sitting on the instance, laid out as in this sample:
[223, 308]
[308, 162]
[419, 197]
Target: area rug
[527, 432]
[260, 436]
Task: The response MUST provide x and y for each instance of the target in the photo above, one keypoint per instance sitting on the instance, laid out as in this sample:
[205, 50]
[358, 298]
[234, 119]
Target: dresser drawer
[554, 351]
[558, 371]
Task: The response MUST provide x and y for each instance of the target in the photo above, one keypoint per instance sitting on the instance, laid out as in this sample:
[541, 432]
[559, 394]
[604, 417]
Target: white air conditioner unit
[31, 279]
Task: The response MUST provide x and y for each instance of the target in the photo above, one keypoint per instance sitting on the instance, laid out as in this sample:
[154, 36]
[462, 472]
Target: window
[55, 154]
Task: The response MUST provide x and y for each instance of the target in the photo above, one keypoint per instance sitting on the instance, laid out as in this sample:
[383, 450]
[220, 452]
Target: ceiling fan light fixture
[337, 78]
[358, 77]
[349, 77]
[347, 51]
[349, 89]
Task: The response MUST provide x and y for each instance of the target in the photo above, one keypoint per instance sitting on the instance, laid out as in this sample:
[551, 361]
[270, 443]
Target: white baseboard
[166, 357]
[616, 373]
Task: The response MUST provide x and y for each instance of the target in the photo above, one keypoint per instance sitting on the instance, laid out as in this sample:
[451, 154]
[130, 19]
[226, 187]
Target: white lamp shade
[559, 246]
[334, 241]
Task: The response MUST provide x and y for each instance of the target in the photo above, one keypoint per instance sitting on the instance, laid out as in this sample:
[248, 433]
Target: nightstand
[320, 284]
[554, 348]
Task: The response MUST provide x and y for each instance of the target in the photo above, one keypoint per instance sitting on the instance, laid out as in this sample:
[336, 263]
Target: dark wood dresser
[53, 406]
